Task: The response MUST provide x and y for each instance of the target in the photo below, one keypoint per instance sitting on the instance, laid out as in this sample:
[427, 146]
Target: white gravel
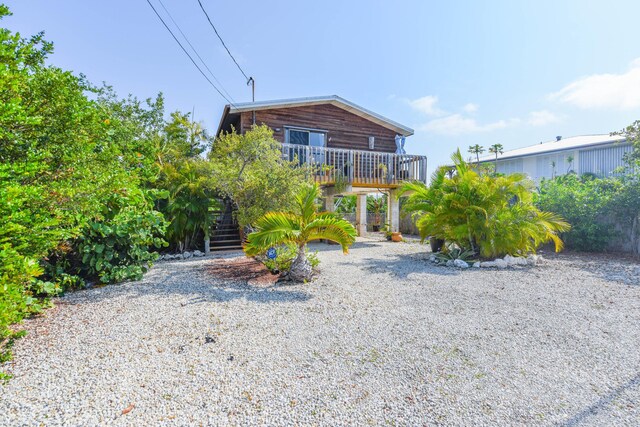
[383, 337]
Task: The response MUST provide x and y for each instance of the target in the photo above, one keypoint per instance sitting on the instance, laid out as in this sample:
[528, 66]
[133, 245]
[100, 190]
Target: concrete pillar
[361, 214]
[329, 203]
[393, 210]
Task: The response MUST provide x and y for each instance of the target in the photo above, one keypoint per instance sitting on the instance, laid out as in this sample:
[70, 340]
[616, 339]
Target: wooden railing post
[351, 166]
[356, 166]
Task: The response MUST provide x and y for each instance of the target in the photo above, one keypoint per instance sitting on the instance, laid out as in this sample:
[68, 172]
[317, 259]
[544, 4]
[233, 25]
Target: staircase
[225, 233]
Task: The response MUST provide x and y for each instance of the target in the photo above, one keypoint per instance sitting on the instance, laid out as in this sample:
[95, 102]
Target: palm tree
[570, 159]
[299, 227]
[489, 215]
[377, 205]
[496, 149]
[477, 150]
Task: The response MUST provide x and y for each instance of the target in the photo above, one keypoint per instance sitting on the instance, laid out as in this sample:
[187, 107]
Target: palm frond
[273, 229]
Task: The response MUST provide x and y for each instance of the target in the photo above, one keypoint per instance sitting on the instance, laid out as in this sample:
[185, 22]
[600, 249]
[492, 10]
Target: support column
[361, 214]
[329, 203]
[393, 210]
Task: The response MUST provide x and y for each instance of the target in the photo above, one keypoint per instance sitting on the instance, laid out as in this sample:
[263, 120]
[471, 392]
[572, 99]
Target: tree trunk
[301, 270]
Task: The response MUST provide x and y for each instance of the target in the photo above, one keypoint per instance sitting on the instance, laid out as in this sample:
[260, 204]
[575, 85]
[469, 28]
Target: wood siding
[344, 129]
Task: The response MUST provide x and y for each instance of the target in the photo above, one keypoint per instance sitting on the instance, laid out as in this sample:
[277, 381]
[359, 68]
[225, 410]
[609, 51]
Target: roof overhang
[318, 100]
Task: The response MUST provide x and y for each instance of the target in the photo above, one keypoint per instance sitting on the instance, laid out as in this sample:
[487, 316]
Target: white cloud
[470, 108]
[427, 105]
[542, 118]
[618, 91]
[456, 124]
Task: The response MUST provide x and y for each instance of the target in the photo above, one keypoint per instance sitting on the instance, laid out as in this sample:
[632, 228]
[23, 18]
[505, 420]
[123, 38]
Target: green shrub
[17, 297]
[285, 254]
[592, 205]
[117, 247]
[490, 215]
[66, 147]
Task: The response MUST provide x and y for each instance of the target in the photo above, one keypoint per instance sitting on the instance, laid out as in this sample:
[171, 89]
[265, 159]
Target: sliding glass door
[315, 140]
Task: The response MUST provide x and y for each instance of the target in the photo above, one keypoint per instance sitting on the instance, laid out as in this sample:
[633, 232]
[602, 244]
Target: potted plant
[396, 236]
[376, 205]
[436, 244]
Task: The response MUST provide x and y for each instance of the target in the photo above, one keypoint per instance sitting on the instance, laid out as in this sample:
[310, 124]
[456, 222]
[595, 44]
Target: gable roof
[570, 143]
[317, 100]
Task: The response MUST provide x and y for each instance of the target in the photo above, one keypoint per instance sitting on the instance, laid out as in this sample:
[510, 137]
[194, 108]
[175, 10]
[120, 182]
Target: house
[600, 155]
[347, 148]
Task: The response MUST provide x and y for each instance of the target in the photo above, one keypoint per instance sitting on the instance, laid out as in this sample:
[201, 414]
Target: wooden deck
[357, 168]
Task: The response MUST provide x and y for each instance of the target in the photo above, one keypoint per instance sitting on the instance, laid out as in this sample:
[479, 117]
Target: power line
[195, 51]
[222, 41]
[187, 53]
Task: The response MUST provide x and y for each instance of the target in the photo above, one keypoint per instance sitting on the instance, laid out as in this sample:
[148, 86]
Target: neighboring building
[597, 154]
[348, 149]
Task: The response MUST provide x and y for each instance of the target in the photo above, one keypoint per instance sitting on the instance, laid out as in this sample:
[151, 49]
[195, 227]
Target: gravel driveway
[381, 338]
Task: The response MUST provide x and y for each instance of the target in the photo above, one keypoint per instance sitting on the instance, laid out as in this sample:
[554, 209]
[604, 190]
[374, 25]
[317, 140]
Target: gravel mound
[383, 337]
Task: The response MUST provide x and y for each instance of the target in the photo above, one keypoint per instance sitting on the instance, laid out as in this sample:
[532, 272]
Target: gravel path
[381, 338]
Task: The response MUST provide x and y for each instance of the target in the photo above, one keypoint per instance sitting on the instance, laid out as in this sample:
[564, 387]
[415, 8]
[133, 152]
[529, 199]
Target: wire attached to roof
[187, 53]
[223, 43]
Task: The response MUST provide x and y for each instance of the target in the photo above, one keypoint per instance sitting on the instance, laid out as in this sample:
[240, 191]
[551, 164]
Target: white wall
[602, 161]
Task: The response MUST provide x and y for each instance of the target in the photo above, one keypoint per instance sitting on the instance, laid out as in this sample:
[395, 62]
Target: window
[315, 139]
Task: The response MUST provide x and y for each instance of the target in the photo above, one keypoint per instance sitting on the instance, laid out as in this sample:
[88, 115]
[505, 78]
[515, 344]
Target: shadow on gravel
[402, 266]
[328, 247]
[193, 282]
[601, 404]
[612, 267]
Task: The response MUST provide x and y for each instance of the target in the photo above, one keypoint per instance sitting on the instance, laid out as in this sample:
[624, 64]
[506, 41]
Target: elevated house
[600, 155]
[346, 148]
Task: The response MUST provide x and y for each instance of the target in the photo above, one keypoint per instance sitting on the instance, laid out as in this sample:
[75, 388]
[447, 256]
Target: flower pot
[375, 228]
[396, 236]
[436, 244]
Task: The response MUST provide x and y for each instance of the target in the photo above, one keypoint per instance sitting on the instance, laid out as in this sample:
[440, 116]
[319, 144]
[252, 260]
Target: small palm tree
[487, 214]
[570, 160]
[477, 150]
[299, 227]
[496, 149]
[376, 205]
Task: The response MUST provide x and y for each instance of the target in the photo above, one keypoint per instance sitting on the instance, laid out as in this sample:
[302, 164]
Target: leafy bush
[285, 254]
[250, 170]
[118, 247]
[592, 205]
[66, 148]
[583, 201]
[189, 180]
[490, 215]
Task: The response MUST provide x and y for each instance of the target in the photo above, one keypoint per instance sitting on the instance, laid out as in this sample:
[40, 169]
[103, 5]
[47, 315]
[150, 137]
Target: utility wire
[195, 51]
[222, 41]
[187, 53]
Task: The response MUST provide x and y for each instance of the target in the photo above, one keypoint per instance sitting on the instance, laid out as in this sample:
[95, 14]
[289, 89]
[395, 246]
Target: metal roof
[570, 143]
[316, 100]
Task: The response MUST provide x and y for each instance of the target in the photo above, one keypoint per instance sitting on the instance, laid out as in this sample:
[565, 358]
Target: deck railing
[357, 167]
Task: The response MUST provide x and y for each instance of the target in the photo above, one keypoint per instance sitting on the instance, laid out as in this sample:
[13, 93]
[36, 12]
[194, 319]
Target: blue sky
[459, 73]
